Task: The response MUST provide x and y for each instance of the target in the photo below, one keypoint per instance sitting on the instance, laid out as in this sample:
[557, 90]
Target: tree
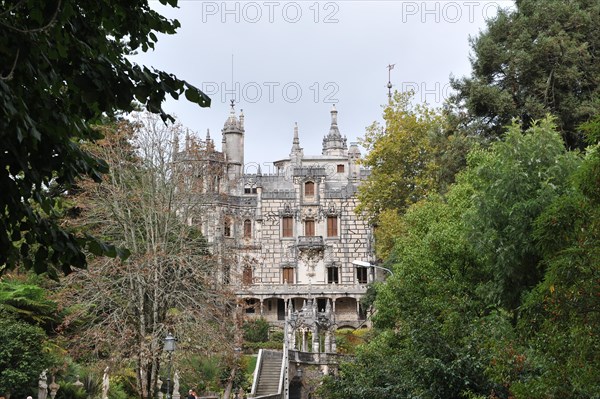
[412, 156]
[65, 68]
[538, 59]
[22, 356]
[560, 316]
[121, 310]
[513, 182]
[451, 320]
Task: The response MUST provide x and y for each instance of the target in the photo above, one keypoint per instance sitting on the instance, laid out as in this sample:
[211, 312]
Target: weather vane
[389, 85]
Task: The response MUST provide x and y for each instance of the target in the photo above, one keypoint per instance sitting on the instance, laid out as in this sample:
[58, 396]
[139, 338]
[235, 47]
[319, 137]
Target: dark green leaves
[66, 69]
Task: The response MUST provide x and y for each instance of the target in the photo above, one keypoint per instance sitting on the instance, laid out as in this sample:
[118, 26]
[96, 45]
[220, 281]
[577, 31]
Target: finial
[232, 105]
[207, 134]
[296, 138]
[333, 115]
[241, 119]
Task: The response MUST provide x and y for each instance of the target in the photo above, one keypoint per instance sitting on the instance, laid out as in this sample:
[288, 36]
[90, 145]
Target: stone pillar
[304, 343]
[327, 341]
[333, 344]
[262, 307]
[315, 340]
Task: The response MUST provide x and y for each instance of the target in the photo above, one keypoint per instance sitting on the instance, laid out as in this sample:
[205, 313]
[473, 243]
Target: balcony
[314, 243]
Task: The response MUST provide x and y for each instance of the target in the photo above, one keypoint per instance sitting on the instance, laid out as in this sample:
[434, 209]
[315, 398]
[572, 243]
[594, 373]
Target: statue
[43, 386]
[176, 394]
[158, 387]
[105, 384]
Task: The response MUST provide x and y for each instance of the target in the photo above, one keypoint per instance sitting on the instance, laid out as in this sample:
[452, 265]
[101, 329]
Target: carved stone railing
[301, 289]
[310, 242]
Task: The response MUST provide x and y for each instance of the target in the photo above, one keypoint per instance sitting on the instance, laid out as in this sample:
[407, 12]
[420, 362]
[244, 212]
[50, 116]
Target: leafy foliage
[27, 301]
[538, 59]
[495, 285]
[513, 182]
[413, 156]
[256, 330]
[65, 68]
[22, 356]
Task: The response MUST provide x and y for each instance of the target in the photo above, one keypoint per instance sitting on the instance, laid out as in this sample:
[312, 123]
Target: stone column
[327, 341]
[304, 343]
[315, 339]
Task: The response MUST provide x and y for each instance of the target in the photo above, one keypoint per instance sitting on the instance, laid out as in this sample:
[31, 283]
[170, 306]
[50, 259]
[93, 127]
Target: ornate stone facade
[287, 236]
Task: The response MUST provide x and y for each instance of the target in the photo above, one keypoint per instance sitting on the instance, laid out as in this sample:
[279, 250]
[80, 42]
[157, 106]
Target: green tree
[448, 324]
[536, 59]
[65, 67]
[22, 357]
[513, 182]
[561, 316]
[412, 155]
[431, 333]
[28, 302]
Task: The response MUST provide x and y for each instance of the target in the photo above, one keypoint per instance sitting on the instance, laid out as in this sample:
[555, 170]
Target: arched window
[309, 189]
[247, 228]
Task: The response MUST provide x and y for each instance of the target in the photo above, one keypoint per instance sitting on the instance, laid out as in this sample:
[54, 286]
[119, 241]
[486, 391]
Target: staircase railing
[257, 368]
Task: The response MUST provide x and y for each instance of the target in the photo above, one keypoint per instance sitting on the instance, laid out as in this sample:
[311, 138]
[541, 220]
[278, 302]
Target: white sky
[293, 59]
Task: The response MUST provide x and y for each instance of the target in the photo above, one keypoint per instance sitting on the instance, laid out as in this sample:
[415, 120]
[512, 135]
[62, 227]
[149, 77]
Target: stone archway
[296, 388]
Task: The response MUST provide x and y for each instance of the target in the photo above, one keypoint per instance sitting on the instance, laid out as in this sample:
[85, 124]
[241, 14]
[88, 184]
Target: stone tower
[233, 148]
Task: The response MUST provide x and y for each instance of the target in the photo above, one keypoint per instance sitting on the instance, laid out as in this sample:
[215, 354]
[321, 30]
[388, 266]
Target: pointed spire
[333, 142]
[241, 119]
[210, 145]
[259, 171]
[175, 143]
[296, 142]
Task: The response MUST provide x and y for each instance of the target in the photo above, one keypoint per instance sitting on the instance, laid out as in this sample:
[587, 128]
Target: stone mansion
[286, 237]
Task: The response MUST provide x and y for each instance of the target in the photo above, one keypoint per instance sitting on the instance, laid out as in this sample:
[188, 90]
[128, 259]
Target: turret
[334, 144]
[233, 144]
[354, 162]
[297, 152]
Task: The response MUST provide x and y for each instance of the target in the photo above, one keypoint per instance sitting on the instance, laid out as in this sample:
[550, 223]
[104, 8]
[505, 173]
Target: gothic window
[247, 228]
[333, 275]
[287, 226]
[247, 275]
[332, 226]
[227, 227]
[287, 274]
[361, 275]
[309, 189]
[340, 168]
[309, 227]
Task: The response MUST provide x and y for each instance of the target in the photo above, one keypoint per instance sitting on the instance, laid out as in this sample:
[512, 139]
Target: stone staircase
[269, 375]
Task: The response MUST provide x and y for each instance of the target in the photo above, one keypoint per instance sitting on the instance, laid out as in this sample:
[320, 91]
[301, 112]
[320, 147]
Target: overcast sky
[289, 61]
